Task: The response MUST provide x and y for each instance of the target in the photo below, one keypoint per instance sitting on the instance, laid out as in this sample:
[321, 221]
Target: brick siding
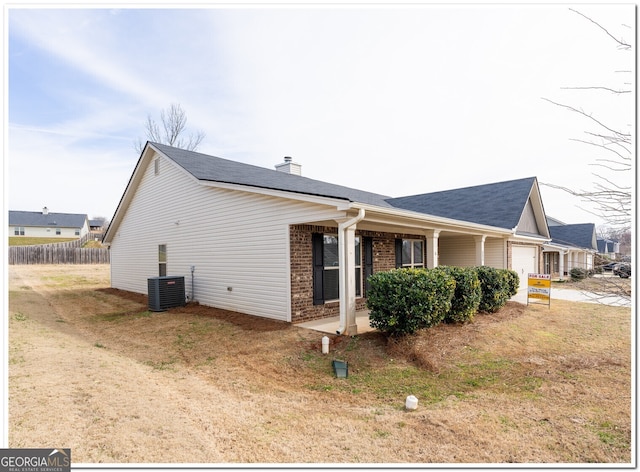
[302, 307]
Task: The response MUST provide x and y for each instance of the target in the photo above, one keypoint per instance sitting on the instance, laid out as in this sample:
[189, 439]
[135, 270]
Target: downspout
[342, 275]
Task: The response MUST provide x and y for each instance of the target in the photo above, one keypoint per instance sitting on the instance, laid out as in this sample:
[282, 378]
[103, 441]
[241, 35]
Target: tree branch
[620, 42]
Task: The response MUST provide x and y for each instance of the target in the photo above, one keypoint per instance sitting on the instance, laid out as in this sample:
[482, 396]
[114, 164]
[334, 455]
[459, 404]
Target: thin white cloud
[74, 37]
[392, 100]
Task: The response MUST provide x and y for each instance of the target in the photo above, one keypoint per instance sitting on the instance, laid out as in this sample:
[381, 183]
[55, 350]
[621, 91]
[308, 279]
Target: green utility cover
[341, 369]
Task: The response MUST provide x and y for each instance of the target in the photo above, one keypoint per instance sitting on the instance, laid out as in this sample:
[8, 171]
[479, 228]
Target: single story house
[571, 246]
[275, 244]
[46, 224]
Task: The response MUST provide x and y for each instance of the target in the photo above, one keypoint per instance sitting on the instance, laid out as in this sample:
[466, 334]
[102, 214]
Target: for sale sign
[539, 287]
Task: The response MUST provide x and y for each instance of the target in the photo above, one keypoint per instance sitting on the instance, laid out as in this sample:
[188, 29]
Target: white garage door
[524, 262]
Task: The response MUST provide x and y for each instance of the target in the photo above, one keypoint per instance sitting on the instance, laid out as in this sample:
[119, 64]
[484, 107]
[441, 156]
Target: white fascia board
[132, 185]
[434, 222]
[554, 247]
[538, 206]
[533, 239]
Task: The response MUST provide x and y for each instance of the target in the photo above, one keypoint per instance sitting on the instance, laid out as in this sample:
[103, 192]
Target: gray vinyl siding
[528, 223]
[238, 241]
[495, 253]
[461, 251]
[457, 251]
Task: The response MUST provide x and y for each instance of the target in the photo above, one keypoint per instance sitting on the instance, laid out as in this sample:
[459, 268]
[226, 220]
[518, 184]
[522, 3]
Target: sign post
[539, 288]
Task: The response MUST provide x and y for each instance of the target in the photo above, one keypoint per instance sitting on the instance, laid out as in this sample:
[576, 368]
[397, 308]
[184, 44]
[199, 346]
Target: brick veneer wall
[302, 307]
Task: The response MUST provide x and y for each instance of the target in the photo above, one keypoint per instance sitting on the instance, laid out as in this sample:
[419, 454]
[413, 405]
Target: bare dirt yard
[91, 369]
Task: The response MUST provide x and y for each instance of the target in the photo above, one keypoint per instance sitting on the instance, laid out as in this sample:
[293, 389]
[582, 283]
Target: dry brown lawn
[91, 369]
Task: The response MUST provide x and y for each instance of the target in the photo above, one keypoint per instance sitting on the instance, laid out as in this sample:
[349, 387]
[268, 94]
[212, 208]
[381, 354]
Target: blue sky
[394, 100]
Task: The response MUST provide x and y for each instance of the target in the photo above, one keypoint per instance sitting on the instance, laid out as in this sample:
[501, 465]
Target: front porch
[331, 325]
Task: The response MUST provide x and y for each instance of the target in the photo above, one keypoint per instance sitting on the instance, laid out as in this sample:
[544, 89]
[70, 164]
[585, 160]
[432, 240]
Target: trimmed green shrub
[402, 301]
[467, 295]
[497, 285]
[513, 281]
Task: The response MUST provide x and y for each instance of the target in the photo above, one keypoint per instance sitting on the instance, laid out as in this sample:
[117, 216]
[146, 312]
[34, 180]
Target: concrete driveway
[577, 296]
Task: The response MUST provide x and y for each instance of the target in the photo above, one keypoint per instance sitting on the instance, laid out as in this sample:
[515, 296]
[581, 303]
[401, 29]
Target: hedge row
[403, 301]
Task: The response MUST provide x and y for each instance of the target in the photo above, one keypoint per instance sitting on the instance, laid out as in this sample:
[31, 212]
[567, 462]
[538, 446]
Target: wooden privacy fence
[51, 254]
[59, 253]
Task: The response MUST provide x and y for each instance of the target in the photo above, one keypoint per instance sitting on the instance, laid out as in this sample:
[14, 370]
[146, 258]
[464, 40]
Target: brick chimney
[289, 167]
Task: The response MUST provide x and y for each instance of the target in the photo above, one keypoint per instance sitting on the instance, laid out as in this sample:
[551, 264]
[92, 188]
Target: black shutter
[398, 253]
[318, 268]
[368, 262]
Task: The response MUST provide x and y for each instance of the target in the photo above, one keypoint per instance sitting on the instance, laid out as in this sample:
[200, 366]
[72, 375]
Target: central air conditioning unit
[166, 292]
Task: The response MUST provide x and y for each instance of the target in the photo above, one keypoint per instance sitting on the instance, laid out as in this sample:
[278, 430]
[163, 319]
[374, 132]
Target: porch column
[350, 280]
[480, 249]
[432, 248]
[347, 274]
[561, 255]
[569, 261]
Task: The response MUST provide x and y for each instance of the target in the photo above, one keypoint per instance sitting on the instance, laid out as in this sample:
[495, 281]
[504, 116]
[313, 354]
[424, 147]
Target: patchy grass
[30, 241]
[93, 244]
[529, 384]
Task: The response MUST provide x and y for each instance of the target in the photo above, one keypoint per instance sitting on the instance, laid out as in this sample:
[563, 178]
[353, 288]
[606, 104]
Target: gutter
[342, 275]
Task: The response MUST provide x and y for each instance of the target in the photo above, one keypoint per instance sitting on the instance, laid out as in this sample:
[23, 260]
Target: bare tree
[610, 199]
[171, 131]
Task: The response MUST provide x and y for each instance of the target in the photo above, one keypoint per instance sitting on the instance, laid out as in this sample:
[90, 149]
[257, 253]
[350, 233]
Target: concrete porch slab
[331, 325]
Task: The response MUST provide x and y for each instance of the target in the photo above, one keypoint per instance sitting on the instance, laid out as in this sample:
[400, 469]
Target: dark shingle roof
[36, 218]
[499, 204]
[578, 235]
[215, 169]
[605, 244]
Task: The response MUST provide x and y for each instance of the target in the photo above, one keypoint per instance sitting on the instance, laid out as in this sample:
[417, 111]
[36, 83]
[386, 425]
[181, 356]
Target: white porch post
[480, 249]
[432, 248]
[561, 264]
[569, 261]
[347, 274]
[350, 280]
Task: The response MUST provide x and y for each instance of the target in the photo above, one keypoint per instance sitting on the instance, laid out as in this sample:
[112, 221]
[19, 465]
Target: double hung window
[162, 260]
[327, 268]
[412, 254]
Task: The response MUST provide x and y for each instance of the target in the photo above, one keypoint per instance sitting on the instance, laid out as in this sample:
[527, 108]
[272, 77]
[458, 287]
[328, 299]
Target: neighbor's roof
[215, 169]
[37, 218]
[578, 235]
[498, 204]
[607, 244]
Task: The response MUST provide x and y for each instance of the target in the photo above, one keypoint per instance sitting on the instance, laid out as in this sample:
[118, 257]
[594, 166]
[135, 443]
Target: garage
[524, 261]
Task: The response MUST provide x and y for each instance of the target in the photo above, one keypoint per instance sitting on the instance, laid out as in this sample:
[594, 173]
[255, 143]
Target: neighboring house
[608, 248]
[45, 224]
[96, 225]
[571, 246]
[275, 244]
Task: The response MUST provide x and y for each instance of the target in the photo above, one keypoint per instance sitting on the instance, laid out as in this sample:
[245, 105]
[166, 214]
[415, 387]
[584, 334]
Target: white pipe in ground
[325, 345]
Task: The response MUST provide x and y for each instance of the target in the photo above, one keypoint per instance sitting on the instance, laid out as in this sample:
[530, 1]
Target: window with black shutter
[409, 253]
[326, 268]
